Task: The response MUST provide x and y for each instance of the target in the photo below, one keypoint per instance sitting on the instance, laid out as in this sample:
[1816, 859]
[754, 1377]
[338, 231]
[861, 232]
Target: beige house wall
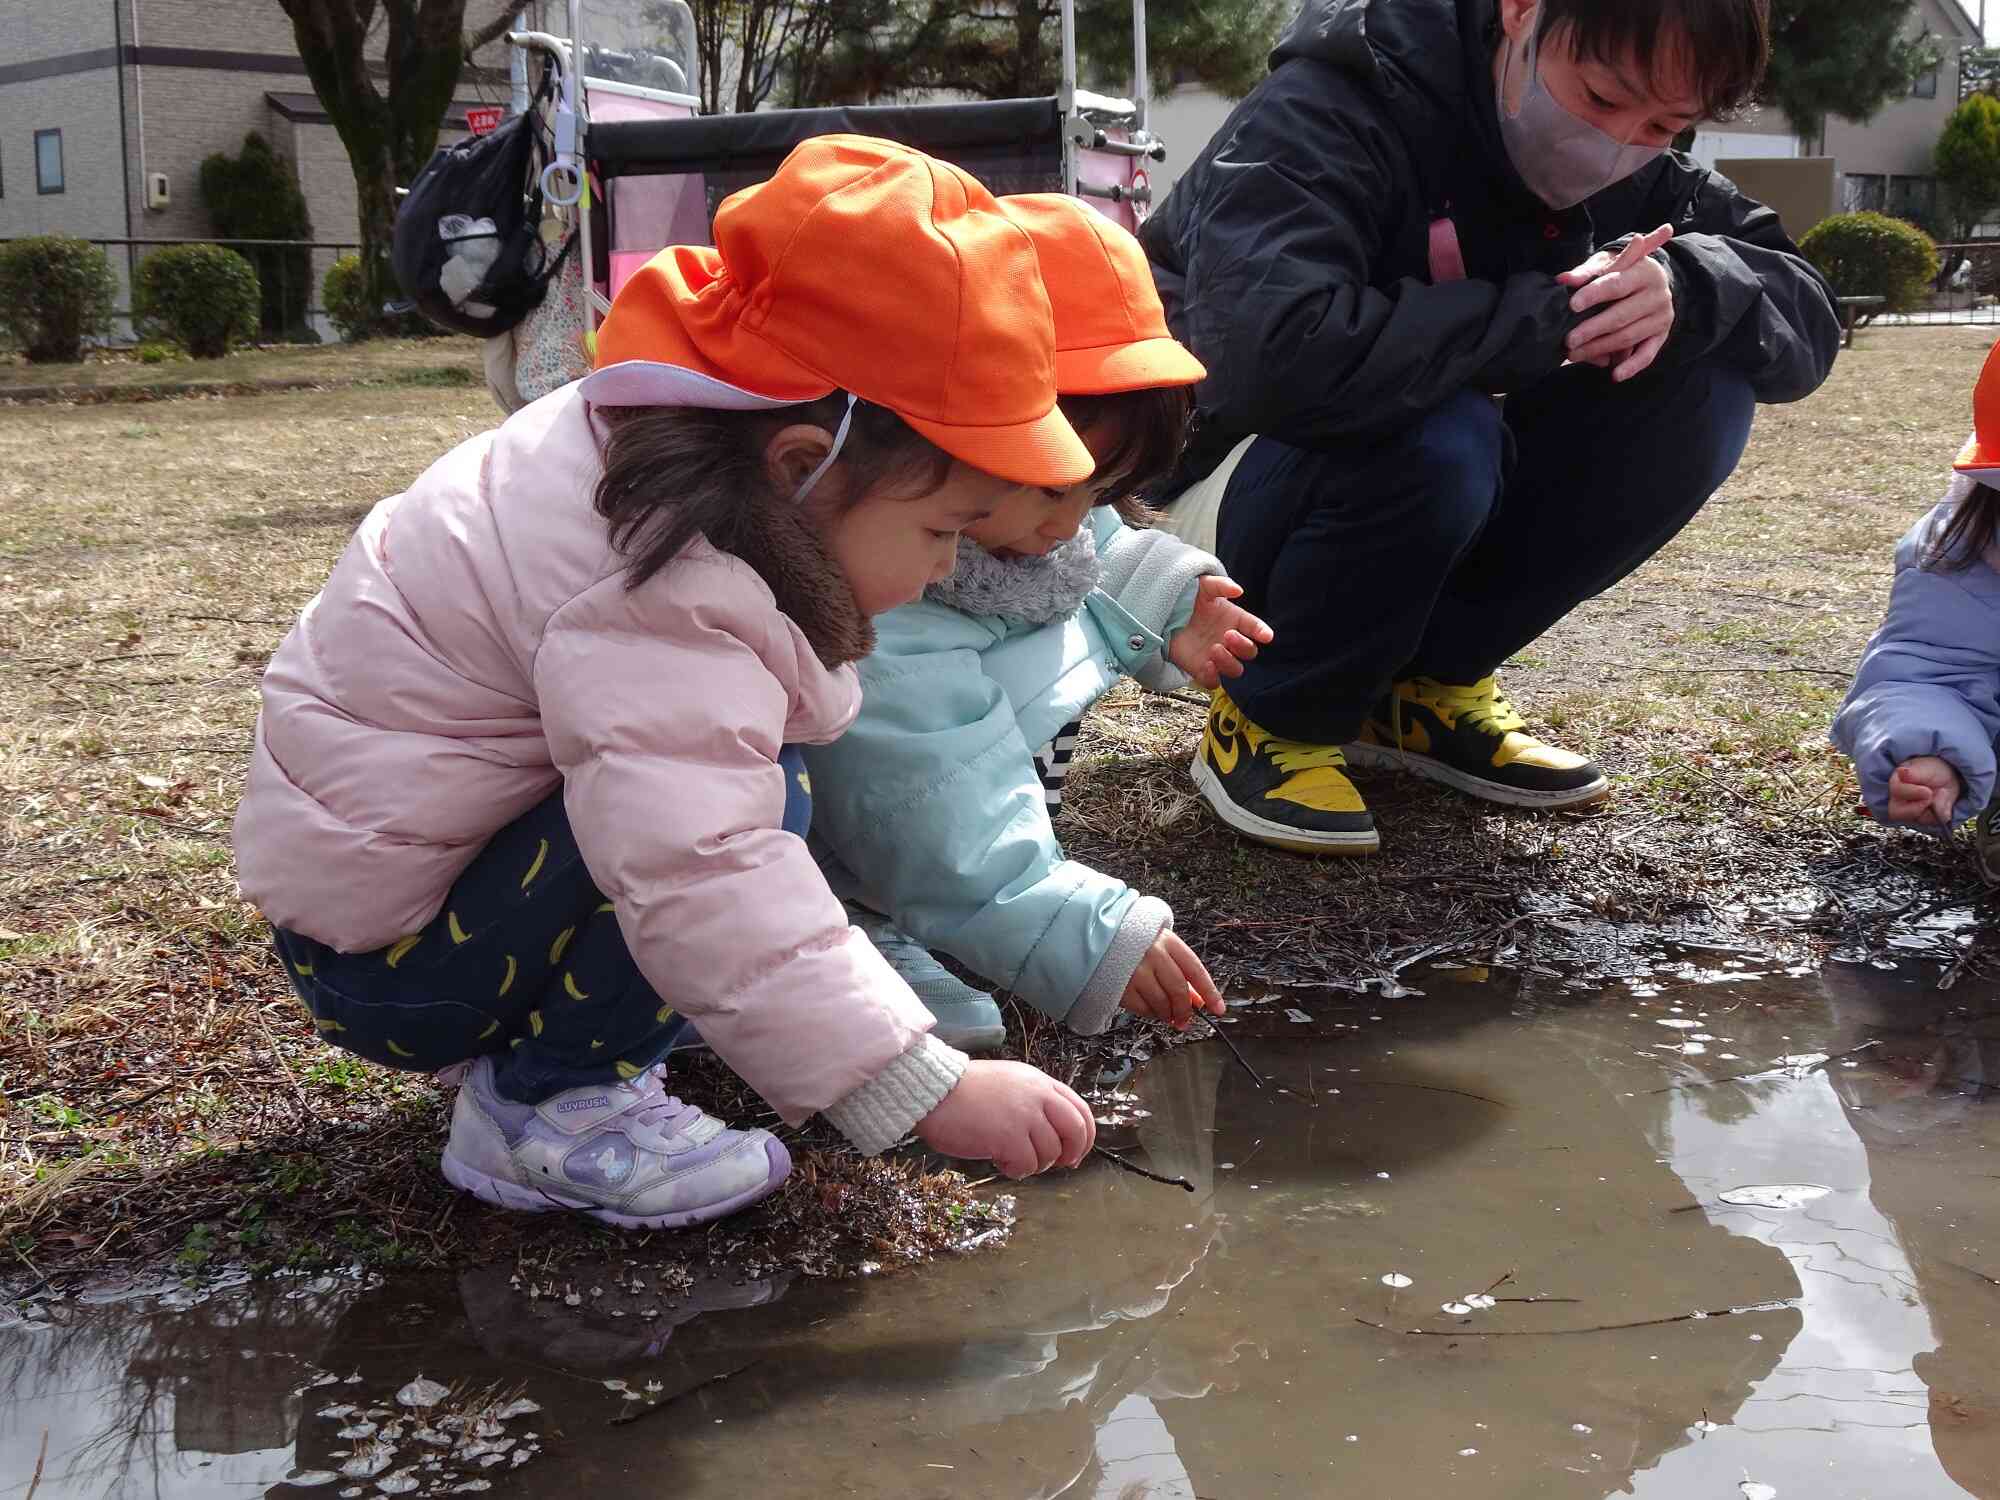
[61, 67]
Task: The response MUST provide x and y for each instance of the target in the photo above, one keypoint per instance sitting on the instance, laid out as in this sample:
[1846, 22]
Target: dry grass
[120, 374]
[162, 1094]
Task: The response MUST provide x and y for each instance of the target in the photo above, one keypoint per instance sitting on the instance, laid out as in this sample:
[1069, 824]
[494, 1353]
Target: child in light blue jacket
[933, 812]
[1921, 718]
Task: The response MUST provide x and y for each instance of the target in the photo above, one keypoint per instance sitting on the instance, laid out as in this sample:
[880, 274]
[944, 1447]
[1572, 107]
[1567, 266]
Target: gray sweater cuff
[887, 1107]
[1145, 919]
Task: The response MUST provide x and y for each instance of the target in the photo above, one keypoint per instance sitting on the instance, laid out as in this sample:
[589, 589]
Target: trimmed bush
[1873, 255]
[255, 196]
[55, 292]
[345, 296]
[203, 297]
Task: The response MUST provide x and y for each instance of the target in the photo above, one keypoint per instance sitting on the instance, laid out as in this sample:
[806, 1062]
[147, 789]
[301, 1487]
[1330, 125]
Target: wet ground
[1721, 1228]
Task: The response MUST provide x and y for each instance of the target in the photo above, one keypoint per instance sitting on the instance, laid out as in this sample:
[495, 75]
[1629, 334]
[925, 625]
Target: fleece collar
[1037, 590]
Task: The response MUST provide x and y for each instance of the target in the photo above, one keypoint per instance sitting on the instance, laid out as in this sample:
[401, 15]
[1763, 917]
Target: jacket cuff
[887, 1107]
[1145, 919]
[1160, 675]
[1152, 573]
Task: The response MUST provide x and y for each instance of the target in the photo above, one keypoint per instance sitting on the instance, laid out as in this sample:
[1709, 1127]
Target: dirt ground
[162, 1096]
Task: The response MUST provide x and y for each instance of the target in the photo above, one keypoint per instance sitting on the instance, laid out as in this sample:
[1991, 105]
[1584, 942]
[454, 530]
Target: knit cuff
[885, 1108]
[1145, 919]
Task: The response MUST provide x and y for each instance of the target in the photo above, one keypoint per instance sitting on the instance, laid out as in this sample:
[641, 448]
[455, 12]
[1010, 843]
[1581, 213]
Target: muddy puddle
[1719, 1229]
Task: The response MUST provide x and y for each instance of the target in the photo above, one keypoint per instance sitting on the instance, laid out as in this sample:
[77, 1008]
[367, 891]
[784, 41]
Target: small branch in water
[1989, 1280]
[652, 1406]
[35, 1482]
[1542, 1333]
[1505, 1277]
[1221, 1036]
[1138, 1171]
[1429, 1088]
[1774, 1072]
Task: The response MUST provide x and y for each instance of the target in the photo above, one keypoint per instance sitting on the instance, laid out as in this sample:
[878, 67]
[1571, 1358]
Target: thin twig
[1138, 1171]
[1539, 1333]
[1223, 1038]
[1774, 1072]
[35, 1482]
[1429, 1088]
[652, 1406]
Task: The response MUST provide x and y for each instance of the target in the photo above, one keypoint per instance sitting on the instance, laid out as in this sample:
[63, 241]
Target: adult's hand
[1635, 295]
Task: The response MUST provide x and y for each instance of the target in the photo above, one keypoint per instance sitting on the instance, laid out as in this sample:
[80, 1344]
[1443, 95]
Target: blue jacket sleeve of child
[1153, 575]
[932, 801]
[1929, 682]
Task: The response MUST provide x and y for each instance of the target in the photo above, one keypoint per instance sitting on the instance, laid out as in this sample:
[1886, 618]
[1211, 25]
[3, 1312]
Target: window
[1924, 86]
[48, 161]
[1866, 192]
[1915, 199]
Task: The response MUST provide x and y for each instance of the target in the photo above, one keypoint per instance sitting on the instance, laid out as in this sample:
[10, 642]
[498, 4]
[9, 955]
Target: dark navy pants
[526, 961]
[1443, 549]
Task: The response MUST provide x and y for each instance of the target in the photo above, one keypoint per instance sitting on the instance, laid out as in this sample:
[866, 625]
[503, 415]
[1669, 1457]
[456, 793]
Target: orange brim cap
[1045, 453]
[646, 347]
[1978, 459]
[1116, 368]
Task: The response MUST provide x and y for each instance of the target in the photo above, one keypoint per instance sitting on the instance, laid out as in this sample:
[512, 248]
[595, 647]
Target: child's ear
[794, 452]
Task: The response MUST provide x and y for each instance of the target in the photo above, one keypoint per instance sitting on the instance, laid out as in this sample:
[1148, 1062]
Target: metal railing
[274, 255]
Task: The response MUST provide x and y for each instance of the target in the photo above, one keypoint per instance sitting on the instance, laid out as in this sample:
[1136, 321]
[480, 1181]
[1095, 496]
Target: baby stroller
[633, 166]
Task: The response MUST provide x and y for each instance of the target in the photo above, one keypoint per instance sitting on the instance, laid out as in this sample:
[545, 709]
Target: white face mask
[1562, 159]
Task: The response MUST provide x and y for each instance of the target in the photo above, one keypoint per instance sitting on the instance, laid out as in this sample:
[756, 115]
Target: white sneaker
[630, 1154]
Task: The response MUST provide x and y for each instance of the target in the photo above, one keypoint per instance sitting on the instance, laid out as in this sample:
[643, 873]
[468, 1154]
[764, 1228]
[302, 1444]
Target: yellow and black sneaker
[1471, 738]
[1285, 793]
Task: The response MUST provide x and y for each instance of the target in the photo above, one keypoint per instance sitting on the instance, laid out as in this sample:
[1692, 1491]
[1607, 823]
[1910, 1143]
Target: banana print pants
[526, 962]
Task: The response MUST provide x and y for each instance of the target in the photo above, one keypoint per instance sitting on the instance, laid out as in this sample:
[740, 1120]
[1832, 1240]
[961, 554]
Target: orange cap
[871, 268]
[1111, 332]
[1981, 456]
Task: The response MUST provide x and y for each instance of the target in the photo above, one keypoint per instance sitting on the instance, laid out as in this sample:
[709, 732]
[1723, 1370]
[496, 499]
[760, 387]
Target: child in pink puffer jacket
[526, 790]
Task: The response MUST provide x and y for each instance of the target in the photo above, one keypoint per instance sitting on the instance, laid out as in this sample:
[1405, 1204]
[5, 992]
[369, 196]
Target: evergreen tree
[1842, 57]
[256, 196]
[1968, 162]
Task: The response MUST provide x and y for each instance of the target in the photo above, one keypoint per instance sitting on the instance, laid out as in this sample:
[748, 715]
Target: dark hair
[1152, 427]
[1973, 527]
[1724, 44]
[672, 473]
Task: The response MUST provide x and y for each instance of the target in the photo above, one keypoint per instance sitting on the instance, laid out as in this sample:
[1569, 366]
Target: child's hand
[1170, 984]
[1218, 637]
[1923, 791]
[1012, 1115]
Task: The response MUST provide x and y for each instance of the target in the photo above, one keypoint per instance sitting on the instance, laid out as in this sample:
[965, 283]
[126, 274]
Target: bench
[1852, 309]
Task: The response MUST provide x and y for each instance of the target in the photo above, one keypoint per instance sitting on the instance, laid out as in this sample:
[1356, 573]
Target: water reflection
[1558, 1151]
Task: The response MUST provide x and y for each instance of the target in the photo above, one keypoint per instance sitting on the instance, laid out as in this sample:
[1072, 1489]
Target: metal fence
[1966, 292]
[271, 258]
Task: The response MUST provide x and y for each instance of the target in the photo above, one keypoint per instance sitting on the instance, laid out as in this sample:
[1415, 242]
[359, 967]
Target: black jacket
[1294, 255]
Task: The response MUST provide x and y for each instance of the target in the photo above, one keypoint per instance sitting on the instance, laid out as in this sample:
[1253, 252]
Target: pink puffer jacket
[475, 646]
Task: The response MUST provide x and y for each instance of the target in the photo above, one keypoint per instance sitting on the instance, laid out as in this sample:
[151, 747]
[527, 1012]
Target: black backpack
[495, 176]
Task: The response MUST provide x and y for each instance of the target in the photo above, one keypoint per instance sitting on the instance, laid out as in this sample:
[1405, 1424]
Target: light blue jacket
[932, 801]
[1929, 682]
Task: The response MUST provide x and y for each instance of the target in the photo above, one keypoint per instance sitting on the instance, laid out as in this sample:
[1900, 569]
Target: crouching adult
[1428, 205]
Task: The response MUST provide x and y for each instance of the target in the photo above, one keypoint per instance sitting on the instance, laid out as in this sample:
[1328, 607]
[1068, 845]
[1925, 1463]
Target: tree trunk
[388, 138]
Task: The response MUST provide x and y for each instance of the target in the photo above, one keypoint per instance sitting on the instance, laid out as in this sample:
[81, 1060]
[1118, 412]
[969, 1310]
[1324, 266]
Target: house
[1884, 164]
[108, 107]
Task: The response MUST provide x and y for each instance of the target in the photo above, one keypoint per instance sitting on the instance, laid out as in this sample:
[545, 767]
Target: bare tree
[387, 112]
